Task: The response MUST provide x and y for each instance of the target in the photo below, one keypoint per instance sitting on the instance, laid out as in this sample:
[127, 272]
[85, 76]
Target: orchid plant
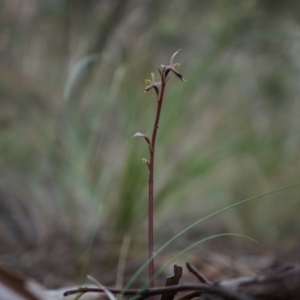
[159, 88]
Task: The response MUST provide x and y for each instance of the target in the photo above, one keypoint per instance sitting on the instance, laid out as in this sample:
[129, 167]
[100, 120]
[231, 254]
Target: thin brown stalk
[159, 88]
[151, 184]
[199, 276]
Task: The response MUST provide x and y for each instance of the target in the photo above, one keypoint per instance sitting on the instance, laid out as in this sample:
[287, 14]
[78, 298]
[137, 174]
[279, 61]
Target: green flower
[172, 66]
[152, 84]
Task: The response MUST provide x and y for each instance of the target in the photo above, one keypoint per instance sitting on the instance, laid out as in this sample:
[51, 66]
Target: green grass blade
[76, 70]
[198, 243]
[141, 269]
[191, 247]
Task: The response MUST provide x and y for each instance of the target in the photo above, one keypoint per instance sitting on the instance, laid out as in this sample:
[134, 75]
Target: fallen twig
[199, 276]
[212, 289]
[279, 284]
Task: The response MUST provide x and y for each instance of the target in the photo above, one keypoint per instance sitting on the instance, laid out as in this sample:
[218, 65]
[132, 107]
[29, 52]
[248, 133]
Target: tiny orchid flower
[152, 84]
[172, 66]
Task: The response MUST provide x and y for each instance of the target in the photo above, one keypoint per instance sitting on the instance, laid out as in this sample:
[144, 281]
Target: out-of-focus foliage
[71, 93]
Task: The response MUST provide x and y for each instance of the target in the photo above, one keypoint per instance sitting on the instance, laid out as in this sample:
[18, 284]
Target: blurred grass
[230, 132]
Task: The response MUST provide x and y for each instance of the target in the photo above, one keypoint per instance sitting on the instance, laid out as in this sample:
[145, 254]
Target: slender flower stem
[151, 183]
[160, 92]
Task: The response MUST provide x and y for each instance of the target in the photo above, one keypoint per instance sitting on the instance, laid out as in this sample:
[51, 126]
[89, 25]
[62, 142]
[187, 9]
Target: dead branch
[279, 284]
[211, 289]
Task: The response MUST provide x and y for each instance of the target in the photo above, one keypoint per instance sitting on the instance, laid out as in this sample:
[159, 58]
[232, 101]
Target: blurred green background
[72, 95]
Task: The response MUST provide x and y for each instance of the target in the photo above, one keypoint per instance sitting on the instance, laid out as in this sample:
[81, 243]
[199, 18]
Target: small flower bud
[138, 134]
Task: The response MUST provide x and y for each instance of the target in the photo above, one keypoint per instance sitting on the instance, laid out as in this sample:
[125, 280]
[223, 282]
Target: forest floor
[61, 263]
